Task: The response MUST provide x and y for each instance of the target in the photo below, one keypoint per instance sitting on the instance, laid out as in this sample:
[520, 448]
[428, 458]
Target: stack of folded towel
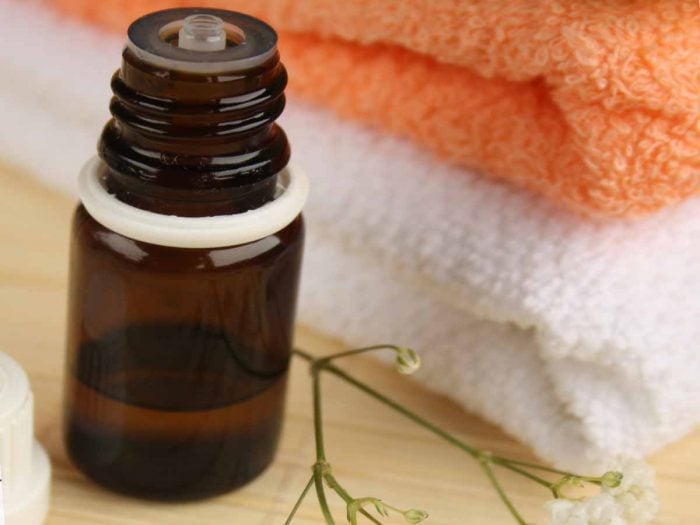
[532, 300]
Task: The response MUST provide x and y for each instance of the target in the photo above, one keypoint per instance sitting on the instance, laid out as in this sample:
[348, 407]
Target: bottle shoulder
[88, 235]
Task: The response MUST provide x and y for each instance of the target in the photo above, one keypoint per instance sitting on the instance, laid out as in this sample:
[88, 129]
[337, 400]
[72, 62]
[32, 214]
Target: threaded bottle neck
[192, 143]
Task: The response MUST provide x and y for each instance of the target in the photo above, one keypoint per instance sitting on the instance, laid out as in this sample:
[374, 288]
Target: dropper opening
[202, 32]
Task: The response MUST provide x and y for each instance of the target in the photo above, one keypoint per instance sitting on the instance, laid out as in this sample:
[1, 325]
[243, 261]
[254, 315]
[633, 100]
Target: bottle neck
[191, 144]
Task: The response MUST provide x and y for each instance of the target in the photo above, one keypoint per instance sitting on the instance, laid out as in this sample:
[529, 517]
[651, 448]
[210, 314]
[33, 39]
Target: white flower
[601, 509]
[632, 502]
[637, 492]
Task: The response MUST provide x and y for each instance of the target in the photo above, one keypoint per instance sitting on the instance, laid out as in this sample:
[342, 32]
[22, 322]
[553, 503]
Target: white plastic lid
[26, 470]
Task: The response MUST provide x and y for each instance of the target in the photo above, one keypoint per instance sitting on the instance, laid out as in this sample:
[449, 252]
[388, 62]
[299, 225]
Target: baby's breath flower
[415, 516]
[597, 510]
[407, 361]
[636, 492]
[627, 497]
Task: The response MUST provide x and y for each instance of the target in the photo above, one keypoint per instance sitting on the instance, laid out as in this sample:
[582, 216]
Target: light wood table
[374, 451]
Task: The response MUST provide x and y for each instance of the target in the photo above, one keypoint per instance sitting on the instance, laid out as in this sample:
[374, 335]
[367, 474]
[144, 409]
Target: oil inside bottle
[164, 410]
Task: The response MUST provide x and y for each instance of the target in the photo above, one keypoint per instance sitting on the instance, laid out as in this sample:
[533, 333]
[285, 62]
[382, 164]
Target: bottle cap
[26, 470]
[201, 40]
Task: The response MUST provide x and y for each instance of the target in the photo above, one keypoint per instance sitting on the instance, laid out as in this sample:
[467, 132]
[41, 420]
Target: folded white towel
[579, 338]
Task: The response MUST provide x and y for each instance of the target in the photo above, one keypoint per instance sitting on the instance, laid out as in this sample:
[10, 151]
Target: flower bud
[407, 361]
[611, 479]
[415, 516]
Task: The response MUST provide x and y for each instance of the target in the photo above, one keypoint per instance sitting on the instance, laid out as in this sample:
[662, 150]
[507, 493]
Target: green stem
[321, 471]
[320, 466]
[334, 485]
[506, 464]
[322, 362]
[504, 498]
[318, 423]
[346, 497]
[370, 517]
[321, 493]
[532, 466]
[298, 503]
[484, 460]
[472, 451]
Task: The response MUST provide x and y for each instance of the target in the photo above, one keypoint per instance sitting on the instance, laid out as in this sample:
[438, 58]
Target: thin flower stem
[485, 459]
[321, 471]
[370, 517]
[472, 451]
[298, 503]
[522, 472]
[318, 423]
[320, 466]
[533, 466]
[325, 360]
[485, 465]
[334, 485]
[346, 497]
[321, 494]
[391, 507]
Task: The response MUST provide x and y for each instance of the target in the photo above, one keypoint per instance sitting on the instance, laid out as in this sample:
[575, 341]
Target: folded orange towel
[594, 103]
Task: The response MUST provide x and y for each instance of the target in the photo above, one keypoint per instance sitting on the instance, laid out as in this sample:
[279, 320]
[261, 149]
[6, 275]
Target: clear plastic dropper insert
[202, 33]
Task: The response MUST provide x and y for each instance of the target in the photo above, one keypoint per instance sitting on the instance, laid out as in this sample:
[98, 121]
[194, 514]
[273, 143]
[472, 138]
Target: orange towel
[594, 103]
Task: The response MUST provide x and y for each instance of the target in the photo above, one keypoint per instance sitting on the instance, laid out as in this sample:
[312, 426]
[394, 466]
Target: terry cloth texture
[578, 337]
[594, 103]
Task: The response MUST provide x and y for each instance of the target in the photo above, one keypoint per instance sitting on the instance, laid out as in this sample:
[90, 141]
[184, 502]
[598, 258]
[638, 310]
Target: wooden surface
[373, 451]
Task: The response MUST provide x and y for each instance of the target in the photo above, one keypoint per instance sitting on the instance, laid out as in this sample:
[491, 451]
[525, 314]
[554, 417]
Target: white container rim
[193, 232]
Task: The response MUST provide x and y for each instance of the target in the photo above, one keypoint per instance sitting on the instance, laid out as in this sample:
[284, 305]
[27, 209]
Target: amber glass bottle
[177, 356]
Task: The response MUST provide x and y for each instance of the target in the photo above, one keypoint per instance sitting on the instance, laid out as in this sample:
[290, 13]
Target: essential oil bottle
[184, 268]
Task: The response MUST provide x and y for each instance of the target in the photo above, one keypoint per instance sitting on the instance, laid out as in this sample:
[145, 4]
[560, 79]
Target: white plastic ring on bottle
[192, 232]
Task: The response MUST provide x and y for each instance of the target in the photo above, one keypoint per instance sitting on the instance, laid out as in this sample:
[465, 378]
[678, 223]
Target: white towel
[579, 338]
